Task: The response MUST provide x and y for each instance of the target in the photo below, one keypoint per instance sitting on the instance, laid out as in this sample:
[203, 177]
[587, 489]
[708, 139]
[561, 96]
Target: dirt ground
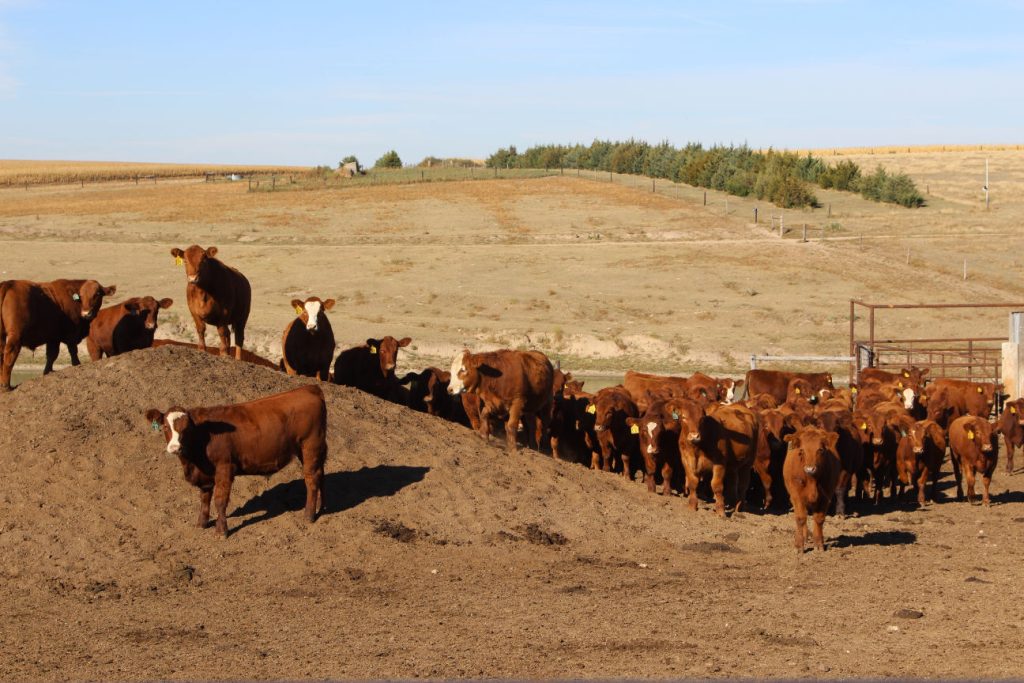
[442, 557]
[604, 276]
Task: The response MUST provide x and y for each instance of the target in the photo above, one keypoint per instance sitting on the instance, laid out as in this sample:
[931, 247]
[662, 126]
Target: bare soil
[441, 556]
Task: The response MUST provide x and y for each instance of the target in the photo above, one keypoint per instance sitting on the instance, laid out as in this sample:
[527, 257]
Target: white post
[986, 184]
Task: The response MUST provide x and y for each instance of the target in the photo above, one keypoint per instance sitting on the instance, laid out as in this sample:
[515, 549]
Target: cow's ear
[790, 438]
[166, 303]
[211, 251]
[297, 305]
[445, 376]
[177, 253]
[154, 415]
[408, 377]
[329, 304]
[405, 341]
[832, 439]
[738, 383]
[373, 343]
[131, 306]
[110, 291]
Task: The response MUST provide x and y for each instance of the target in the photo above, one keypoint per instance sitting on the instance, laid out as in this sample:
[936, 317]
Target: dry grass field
[604, 275]
[19, 171]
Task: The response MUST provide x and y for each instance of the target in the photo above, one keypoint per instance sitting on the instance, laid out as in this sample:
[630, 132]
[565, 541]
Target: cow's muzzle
[693, 437]
[811, 469]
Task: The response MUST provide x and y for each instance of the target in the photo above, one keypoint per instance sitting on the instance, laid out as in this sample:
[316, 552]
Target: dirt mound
[440, 556]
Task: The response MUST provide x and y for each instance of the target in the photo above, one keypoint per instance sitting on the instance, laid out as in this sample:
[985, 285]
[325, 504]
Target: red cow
[371, 367]
[219, 443]
[217, 295]
[33, 314]
[1011, 426]
[611, 407]
[516, 384]
[723, 444]
[974, 448]
[927, 451]
[127, 326]
[307, 347]
[776, 382]
[658, 431]
[811, 472]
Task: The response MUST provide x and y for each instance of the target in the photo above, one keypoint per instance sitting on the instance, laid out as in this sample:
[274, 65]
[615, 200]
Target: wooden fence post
[755, 215]
[705, 197]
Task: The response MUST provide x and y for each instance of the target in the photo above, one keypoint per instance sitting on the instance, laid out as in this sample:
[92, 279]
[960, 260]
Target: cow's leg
[515, 413]
[12, 347]
[957, 475]
[484, 427]
[718, 487]
[761, 468]
[922, 481]
[666, 478]
[969, 475]
[819, 531]
[223, 331]
[204, 507]
[95, 353]
[800, 519]
[73, 352]
[52, 351]
[239, 340]
[689, 459]
[650, 470]
[313, 457]
[200, 331]
[742, 485]
[221, 493]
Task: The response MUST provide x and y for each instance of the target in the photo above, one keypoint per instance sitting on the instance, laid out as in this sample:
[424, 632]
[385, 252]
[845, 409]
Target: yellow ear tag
[970, 434]
[298, 310]
[373, 349]
[864, 426]
[1013, 409]
[178, 260]
[634, 429]
[853, 390]
[797, 391]
[979, 390]
[592, 409]
[899, 384]
[906, 374]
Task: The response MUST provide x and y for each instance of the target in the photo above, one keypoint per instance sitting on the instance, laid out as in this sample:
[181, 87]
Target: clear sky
[310, 82]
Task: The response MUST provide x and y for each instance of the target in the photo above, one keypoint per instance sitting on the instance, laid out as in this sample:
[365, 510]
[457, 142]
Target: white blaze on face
[651, 426]
[455, 385]
[174, 445]
[908, 398]
[730, 394]
[312, 313]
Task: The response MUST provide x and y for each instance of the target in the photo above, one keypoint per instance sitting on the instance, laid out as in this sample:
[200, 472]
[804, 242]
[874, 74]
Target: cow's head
[426, 389]
[312, 312]
[197, 263]
[924, 431]
[687, 415]
[1015, 409]
[90, 296]
[979, 430]
[649, 427]
[811, 446]
[800, 389]
[175, 425]
[386, 351]
[727, 389]
[147, 308]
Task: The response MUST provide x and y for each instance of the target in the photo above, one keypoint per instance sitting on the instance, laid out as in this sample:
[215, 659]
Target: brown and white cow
[658, 430]
[912, 377]
[776, 382]
[371, 367]
[811, 472]
[127, 326]
[974, 449]
[307, 346]
[34, 314]
[217, 295]
[1011, 426]
[515, 385]
[218, 443]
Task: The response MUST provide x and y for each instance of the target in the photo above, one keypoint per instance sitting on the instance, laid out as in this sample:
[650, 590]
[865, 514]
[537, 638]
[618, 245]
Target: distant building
[350, 170]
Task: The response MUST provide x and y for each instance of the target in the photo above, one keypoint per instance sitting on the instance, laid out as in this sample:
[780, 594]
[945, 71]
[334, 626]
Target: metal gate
[976, 358]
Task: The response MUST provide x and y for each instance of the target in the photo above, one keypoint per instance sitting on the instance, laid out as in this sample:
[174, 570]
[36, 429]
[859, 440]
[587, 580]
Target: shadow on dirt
[876, 538]
[344, 490]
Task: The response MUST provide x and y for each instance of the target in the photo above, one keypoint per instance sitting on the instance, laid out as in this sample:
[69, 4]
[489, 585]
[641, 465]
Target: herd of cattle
[812, 445]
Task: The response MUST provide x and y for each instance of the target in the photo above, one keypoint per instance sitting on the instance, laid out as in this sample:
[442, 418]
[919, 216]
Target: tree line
[783, 178]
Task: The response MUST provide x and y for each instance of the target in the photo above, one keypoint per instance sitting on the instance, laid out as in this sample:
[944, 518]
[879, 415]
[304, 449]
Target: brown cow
[217, 444]
[516, 384]
[967, 398]
[776, 382]
[571, 430]
[773, 426]
[611, 407]
[1011, 426]
[974, 448]
[371, 367]
[723, 444]
[658, 431]
[428, 390]
[912, 376]
[642, 386]
[811, 472]
[888, 424]
[927, 451]
[244, 354]
[307, 346]
[849, 448]
[127, 326]
[34, 314]
[217, 295]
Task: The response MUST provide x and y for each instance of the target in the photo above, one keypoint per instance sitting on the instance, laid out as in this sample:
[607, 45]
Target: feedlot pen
[975, 358]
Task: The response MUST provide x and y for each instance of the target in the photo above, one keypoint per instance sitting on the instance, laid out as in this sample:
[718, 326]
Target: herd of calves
[818, 446]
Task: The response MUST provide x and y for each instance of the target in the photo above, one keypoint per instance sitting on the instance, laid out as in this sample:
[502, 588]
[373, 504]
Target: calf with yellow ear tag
[1011, 426]
[308, 343]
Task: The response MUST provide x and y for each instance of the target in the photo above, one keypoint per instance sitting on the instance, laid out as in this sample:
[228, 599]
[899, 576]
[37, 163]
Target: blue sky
[310, 82]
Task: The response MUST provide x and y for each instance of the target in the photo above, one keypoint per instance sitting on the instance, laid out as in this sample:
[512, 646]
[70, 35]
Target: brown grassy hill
[442, 556]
